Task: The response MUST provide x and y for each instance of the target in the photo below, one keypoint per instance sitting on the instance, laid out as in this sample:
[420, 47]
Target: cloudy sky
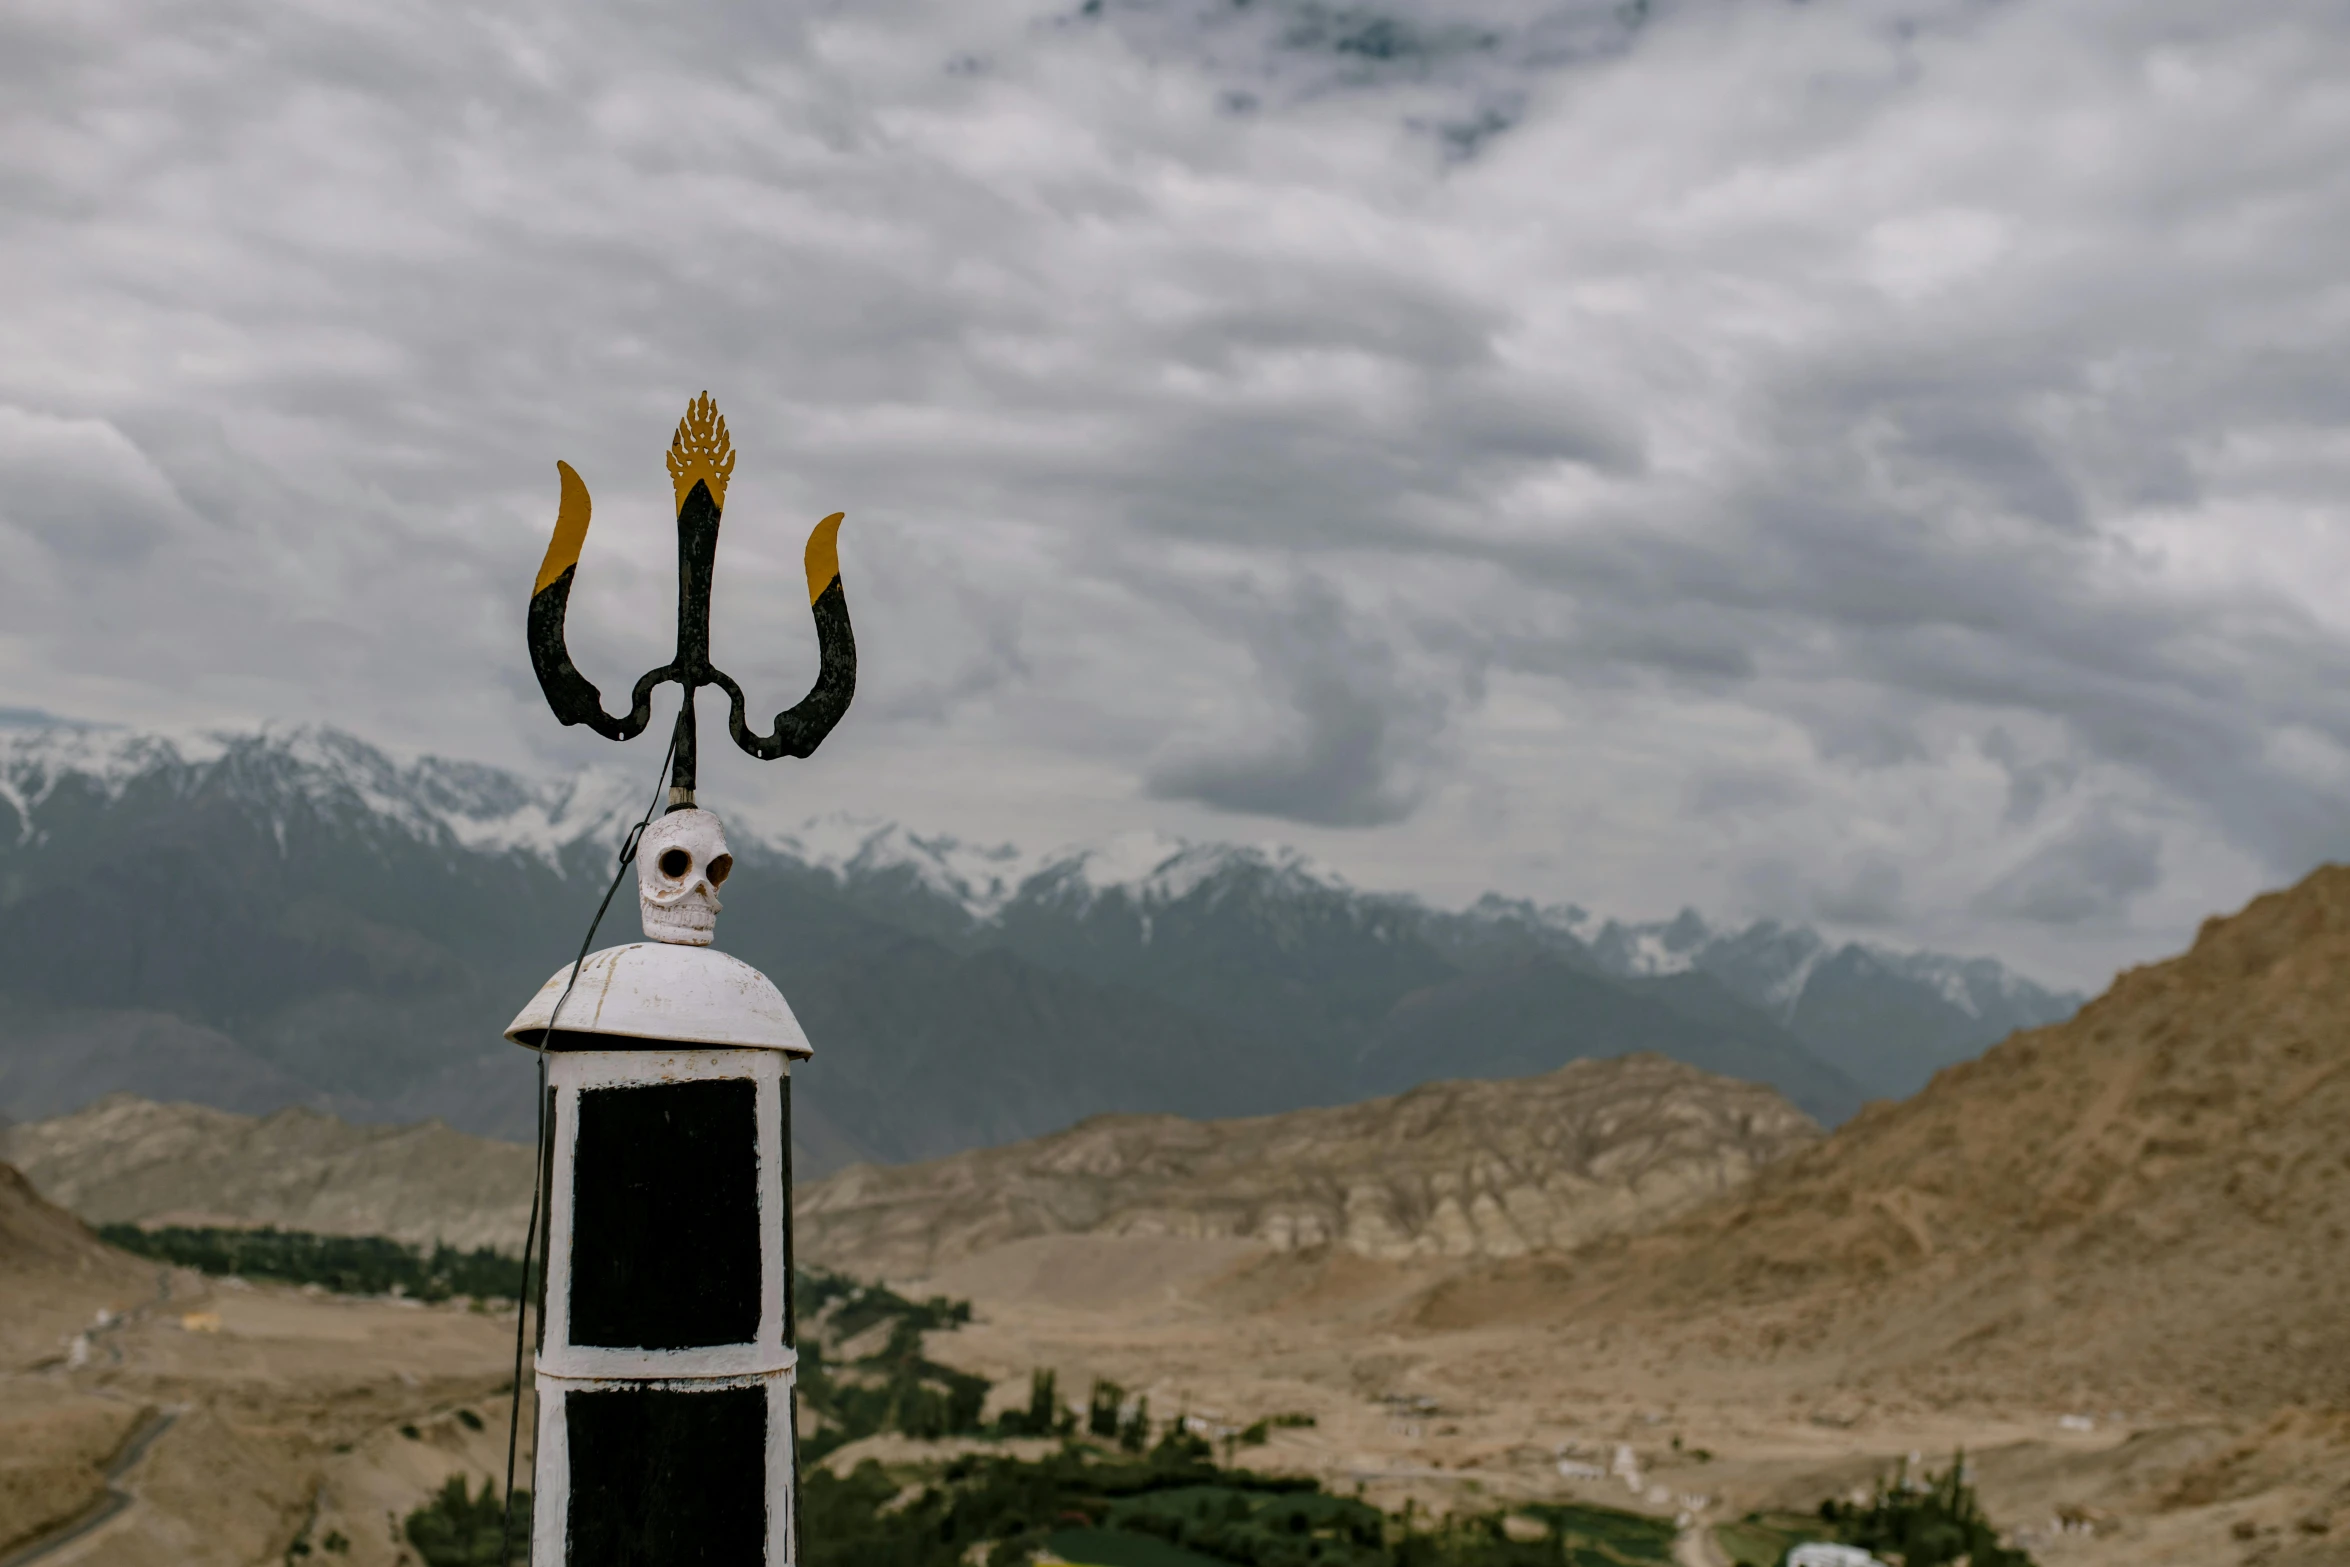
[1880, 464]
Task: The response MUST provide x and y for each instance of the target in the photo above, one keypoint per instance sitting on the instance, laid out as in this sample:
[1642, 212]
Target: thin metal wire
[539, 1142]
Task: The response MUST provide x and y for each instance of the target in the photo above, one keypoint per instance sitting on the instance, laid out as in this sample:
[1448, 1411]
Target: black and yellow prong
[800, 729]
[573, 698]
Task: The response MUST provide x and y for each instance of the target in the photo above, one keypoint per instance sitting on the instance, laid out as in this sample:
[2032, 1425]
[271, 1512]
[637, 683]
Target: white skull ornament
[680, 865]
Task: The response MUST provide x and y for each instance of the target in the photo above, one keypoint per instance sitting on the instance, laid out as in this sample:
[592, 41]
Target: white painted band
[669, 1384]
[639, 1068]
[593, 1362]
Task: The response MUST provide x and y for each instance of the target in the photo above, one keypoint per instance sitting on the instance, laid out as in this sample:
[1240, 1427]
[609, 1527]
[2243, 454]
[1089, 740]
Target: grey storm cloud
[1350, 740]
[2030, 783]
[2089, 871]
[1596, 451]
[1868, 894]
[1742, 790]
[1863, 893]
[82, 490]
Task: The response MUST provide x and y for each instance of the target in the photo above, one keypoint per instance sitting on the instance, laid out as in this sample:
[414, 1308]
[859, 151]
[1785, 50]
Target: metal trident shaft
[701, 460]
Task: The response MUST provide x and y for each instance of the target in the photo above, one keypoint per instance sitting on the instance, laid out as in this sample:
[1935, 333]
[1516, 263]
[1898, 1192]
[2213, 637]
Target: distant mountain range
[294, 917]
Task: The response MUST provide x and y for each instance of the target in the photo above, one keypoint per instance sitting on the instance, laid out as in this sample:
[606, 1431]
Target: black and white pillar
[666, 1337]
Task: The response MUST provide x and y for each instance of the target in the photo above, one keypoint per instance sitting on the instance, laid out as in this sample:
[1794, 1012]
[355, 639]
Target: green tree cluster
[1045, 1415]
[895, 1387]
[862, 1305]
[345, 1264]
[1175, 1505]
[457, 1530]
[1101, 1410]
[1926, 1521]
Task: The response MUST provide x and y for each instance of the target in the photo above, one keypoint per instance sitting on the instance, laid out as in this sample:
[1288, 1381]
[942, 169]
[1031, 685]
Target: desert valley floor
[293, 1415]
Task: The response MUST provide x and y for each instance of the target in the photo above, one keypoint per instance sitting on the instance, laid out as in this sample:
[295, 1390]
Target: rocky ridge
[130, 1160]
[1456, 1170]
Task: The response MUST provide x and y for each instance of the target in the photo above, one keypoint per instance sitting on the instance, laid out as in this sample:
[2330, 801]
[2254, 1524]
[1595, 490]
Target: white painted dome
[660, 990]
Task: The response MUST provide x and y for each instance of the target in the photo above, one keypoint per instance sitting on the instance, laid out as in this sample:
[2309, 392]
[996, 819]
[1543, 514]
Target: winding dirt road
[109, 1506]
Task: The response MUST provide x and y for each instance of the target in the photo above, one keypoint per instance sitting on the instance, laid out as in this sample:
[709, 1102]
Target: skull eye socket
[675, 863]
[720, 869]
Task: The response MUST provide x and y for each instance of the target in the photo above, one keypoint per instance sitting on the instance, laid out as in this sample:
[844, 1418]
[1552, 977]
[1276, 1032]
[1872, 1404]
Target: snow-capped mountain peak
[1570, 920]
[1151, 868]
[980, 878]
[323, 769]
[1646, 951]
[1147, 867]
[1976, 986]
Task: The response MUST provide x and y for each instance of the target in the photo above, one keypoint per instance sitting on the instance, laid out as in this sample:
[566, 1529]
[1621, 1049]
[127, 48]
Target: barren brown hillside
[2148, 1202]
[55, 1278]
[54, 1274]
[1491, 1169]
[245, 1418]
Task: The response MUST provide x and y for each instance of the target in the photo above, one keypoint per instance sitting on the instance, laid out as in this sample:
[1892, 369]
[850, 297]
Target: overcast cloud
[1879, 464]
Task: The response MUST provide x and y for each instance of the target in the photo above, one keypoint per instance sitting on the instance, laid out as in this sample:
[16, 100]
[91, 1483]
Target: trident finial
[700, 452]
[701, 461]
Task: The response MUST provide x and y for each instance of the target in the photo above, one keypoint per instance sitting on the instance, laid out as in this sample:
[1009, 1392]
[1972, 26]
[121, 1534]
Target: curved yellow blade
[571, 525]
[823, 554]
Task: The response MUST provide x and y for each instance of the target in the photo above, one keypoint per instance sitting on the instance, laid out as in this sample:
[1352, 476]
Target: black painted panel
[668, 1479]
[665, 1216]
